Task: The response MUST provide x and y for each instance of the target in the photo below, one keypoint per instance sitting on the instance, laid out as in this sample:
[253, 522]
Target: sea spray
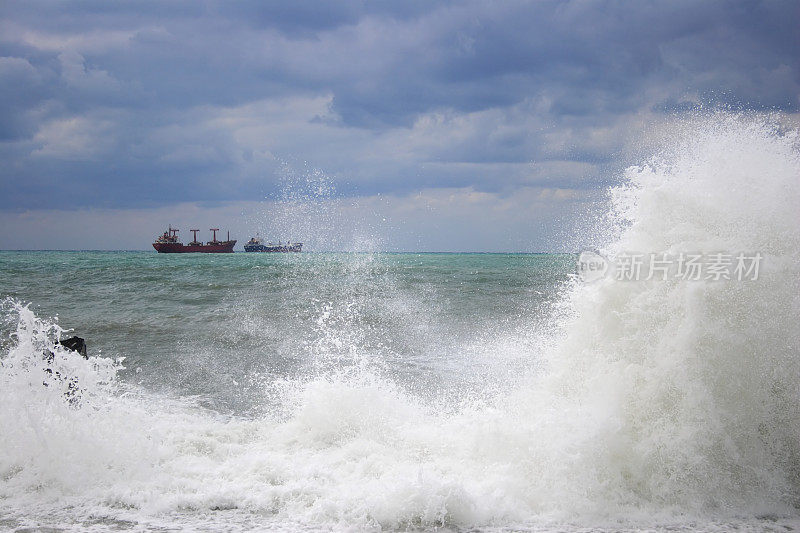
[56, 415]
[689, 389]
[649, 403]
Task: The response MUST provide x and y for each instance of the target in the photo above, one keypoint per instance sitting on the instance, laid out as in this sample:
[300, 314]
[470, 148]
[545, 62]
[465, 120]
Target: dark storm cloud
[145, 103]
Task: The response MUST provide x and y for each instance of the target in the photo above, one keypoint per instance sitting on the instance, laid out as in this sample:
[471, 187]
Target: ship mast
[215, 230]
[194, 234]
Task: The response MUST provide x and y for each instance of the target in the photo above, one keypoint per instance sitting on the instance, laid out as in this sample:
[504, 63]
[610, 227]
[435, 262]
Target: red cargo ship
[168, 243]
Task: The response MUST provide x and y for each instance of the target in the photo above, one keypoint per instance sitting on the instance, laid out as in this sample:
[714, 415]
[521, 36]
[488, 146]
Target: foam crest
[689, 389]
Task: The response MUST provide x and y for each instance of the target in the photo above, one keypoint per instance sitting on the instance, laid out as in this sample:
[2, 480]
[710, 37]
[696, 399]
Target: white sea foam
[659, 403]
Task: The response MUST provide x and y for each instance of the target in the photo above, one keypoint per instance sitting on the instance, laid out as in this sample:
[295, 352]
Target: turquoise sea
[217, 327]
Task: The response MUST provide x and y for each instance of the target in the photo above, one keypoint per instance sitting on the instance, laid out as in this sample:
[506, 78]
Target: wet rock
[76, 344]
[72, 391]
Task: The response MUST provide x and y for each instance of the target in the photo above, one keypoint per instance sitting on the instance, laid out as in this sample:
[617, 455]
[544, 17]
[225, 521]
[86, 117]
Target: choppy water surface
[223, 327]
[422, 391]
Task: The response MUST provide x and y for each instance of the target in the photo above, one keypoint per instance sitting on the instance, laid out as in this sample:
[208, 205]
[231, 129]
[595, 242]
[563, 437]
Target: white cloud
[74, 138]
[77, 42]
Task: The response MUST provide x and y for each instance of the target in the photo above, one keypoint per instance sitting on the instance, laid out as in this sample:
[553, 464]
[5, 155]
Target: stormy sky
[414, 125]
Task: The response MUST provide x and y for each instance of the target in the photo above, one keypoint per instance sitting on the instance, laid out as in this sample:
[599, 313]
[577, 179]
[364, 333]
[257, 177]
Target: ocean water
[376, 391]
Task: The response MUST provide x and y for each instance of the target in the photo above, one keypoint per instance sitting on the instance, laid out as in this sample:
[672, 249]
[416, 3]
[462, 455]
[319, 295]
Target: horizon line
[299, 253]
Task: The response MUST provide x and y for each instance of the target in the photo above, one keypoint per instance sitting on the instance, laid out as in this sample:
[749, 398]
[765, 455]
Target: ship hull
[272, 249]
[225, 247]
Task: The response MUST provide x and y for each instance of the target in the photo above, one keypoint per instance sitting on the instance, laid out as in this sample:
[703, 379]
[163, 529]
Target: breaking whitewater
[652, 404]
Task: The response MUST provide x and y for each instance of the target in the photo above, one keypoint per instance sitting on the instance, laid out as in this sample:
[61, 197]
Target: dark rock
[76, 344]
[73, 391]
